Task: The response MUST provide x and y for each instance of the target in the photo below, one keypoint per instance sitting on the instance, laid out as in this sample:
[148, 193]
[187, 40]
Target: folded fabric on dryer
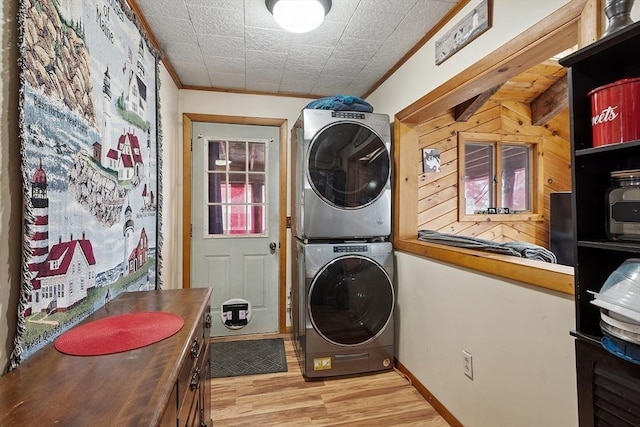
[341, 103]
[518, 249]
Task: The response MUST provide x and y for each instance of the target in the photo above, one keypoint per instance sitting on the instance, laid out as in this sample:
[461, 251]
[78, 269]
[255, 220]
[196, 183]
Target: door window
[348, 165]
[351, 300]
[236, 188]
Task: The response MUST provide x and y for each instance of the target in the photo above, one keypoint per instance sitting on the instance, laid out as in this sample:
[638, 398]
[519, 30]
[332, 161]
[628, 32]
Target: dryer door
[351, 300]
[348, 165]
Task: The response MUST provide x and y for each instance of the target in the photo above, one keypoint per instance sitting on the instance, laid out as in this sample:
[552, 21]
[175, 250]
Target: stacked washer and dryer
[342, 297]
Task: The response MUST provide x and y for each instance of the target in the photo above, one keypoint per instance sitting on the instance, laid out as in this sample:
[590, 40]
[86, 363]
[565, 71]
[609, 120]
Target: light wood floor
[286, 399]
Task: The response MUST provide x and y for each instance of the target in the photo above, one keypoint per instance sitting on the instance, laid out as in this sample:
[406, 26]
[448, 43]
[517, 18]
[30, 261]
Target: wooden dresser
[164, 384]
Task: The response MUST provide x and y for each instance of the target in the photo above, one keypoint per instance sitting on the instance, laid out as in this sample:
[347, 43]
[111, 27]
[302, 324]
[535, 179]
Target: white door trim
[187, 120]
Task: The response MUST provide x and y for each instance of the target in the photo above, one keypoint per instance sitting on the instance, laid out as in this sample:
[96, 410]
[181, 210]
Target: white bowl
[633, 328]
[622, 287]
[623, 311]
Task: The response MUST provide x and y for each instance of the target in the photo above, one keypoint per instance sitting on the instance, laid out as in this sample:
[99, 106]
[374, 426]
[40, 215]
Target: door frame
[187, 120]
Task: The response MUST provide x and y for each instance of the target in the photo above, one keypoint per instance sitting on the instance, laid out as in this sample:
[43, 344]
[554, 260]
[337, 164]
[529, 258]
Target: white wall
[171, 173]
[518, 336]
[523, 356]
[419, 75]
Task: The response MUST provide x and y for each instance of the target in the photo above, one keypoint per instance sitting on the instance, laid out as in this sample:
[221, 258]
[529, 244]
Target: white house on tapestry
[67, 274]
[135, 255]
[136, 97]
[62, 274]
[126, 157]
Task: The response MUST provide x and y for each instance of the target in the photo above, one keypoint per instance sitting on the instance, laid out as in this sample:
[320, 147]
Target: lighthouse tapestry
[90, 144]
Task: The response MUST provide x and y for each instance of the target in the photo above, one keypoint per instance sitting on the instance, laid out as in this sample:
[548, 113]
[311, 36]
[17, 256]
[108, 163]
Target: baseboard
[429, 397]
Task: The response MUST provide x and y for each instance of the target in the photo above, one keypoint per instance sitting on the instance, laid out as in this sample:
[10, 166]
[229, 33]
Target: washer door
[351, 300]
[348, 165]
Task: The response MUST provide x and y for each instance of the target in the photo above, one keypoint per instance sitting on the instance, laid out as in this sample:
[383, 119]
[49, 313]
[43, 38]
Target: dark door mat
[247, 357]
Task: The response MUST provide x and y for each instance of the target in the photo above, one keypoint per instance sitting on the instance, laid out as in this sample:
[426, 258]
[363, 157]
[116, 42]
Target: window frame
[228, 203]
[536, 188]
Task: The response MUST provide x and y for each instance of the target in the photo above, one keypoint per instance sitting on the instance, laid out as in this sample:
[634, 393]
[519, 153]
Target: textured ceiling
[235, 45]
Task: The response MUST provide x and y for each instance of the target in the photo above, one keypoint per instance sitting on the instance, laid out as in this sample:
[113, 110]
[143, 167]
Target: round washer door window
[351, 300]
[348, 165]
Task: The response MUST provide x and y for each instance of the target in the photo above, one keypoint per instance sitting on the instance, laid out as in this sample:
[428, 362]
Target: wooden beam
[550, 102]
[590, 23]
[463, 111]
[555, 33]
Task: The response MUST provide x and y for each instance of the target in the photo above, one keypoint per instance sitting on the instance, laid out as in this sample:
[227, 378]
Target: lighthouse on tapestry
[40, 203]
[106, 119]
[40, 242]
[127, 232]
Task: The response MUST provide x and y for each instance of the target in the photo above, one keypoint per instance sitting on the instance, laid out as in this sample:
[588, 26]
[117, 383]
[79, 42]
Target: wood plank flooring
[286, 399]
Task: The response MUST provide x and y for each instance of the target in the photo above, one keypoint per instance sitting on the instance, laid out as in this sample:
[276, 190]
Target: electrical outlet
[467, 364]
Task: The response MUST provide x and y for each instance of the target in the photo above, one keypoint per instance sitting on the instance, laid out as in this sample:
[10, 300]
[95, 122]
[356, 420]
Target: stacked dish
[619, 302]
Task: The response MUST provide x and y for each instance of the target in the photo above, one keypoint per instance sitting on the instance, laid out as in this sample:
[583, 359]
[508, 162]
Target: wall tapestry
[90, 149]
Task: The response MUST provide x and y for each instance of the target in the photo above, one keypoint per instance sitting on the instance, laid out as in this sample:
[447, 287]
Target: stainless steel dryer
[343, 314]
[342, 172]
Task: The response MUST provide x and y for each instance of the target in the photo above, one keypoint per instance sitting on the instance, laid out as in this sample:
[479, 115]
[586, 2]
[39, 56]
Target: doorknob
[272, 246]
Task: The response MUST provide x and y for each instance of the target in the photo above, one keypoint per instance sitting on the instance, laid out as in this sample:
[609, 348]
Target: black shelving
[596, 256]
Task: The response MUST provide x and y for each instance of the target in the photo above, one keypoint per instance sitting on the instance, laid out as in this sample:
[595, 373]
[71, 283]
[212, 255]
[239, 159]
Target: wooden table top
[129, 388]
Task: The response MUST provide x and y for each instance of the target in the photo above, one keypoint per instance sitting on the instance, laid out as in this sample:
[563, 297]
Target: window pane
[256, 156]
[216, 219]
[238, 188]
[257, 219]
[237, 219]
[218, 159]
[516, 177]
[238, 153]
[216, 188]
[256, 183]
[479, 173]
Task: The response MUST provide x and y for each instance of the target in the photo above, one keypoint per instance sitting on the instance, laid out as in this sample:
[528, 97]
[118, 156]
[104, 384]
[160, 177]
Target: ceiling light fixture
[299, 16]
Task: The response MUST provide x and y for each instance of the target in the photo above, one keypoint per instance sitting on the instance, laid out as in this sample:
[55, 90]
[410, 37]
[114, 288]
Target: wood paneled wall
[438, 192]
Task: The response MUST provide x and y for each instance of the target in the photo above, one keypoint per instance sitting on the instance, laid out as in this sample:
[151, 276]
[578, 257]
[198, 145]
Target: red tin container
[615, 112]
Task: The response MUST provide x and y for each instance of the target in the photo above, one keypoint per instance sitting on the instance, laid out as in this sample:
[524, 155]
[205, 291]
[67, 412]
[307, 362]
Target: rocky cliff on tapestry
[89, 161]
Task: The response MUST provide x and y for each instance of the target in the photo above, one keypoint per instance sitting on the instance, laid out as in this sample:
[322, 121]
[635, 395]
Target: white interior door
[235, 223]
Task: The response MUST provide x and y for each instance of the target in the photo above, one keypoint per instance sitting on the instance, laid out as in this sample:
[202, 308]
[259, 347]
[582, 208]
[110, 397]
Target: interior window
[497, 175]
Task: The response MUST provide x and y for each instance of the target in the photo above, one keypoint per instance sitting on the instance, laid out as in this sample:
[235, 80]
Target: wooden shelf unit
[608, 386]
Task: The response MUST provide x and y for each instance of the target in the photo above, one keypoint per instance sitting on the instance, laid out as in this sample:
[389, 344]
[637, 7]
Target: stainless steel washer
[342, 175]
[343, 308]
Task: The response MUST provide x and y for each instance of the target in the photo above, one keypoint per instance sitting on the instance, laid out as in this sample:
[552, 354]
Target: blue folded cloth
[341, 103]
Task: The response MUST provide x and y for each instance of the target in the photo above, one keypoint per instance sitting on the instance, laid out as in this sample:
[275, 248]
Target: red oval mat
[119, 333]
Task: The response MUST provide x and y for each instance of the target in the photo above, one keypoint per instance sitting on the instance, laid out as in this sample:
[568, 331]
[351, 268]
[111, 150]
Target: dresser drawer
[189, 385]
[189, 371]
[195, 371]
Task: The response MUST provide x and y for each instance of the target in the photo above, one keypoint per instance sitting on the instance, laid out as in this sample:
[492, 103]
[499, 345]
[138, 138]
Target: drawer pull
[207, 321]
[195, 380]
[195, 347]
